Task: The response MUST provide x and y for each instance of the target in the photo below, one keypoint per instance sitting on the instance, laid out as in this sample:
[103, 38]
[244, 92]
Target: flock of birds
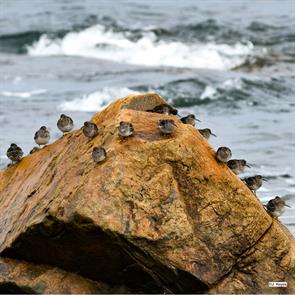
[275, 207]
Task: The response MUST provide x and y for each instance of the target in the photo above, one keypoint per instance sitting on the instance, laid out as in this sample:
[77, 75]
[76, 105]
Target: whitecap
[17, 80]
[263, 189]
[213, 92]
[209, 92]
[23, 94]
[95, 101]
[148, 50]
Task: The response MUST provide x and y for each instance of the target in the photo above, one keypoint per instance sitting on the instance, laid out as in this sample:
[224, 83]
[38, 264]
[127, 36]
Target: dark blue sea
[232, 63]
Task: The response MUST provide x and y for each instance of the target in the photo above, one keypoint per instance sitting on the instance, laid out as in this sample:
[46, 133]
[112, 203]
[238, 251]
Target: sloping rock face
[19, 277]
[159, 215]
[272, 259]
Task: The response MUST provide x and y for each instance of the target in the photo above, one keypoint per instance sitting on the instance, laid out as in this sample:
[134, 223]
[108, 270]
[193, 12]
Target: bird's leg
[65, 133]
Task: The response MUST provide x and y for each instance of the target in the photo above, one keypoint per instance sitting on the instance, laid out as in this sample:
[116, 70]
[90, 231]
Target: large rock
[159, 215]
[19, 277]
[271, 259]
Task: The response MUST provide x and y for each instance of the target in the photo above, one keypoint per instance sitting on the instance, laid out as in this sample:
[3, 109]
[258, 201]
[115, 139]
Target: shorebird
[189, 119]
[42, 136]
[98, 154]
[164, 109]
[65, 124]
[14, 153]
[206, 133]
[125, 129]
[276, 206]
[254, 182]
[237, 166]
[90, 130]
[167, 126]
[223, 154]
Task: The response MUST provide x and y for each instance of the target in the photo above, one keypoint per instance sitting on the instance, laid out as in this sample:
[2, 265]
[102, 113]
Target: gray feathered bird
[65, 123]
[164, 109]
[125, 129]
[237, 165]
[276, 206]
[254, 182]
[206, 133]
[90, 129]
[98, 154]
[167, 126]
[189, 119]
[223, 154]
[42, 136]
[14, 153]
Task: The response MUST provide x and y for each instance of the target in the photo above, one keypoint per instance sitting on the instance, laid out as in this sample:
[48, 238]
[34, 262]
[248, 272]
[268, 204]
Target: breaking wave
[23, 94]
[145, 48]
[95, 101]
[215, 92]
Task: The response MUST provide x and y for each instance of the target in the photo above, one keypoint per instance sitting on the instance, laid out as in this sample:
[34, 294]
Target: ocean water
[232, 63]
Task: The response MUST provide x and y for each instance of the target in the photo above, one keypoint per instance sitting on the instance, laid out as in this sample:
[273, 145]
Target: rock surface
[159, 215]
[19, 277]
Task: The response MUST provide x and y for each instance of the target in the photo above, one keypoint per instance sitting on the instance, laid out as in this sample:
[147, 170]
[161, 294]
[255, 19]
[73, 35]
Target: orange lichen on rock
[159, 215]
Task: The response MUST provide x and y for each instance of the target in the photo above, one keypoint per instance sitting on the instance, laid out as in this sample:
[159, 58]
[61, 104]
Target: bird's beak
[288, 206]
[263, 178]
[213, 134]
[247, 165]
[198, 120]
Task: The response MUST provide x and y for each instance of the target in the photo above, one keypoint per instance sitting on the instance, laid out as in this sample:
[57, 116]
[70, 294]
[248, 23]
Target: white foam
[95, 101]
[23, 94]
[211, 92]
[3, 160]
[97, 42]
[263, 189]
[17, 80]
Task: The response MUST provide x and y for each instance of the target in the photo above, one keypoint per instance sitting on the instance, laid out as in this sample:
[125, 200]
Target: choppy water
[229, 62]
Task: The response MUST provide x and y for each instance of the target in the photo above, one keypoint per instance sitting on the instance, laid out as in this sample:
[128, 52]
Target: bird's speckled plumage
[223, 154]
[276, 206]
[42, 136]
[65, 123]
[167, 126]
[98, 154]
[14, 153]
[206, 133]
[254, 182]
[164, 109]
[189, 119]
[125, 129]
[90, 129]
[237, 165]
